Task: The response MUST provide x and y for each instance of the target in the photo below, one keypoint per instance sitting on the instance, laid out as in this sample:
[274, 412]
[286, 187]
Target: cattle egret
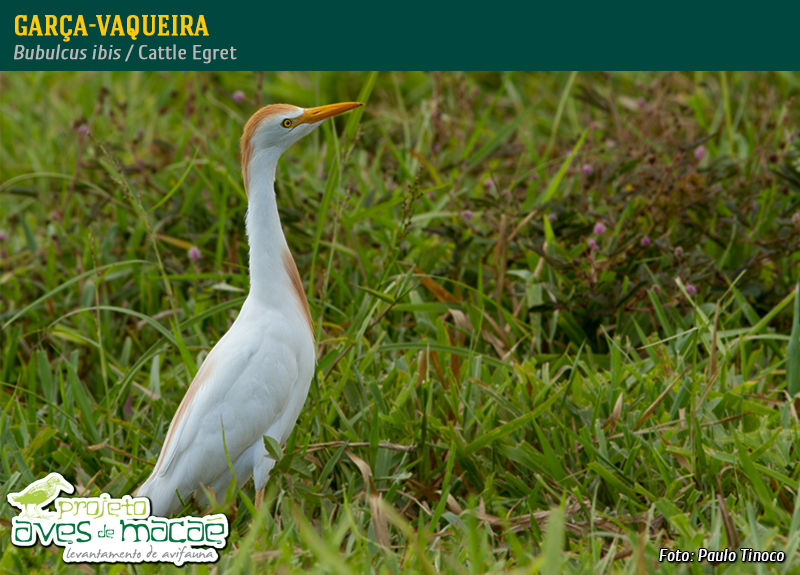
[255, 380]
[38, 494]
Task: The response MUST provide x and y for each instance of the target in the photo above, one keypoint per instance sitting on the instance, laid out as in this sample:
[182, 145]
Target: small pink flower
[587, 170]
[488, 184]
[699, 153]
[645, 241]
[238, 96]
[796, 219]
[83, 130]
[592, 245]
[194, 253]
[599, 229]
[641, 102]
[437, 148]
[127, 409]
[690, 289]
[3, 236]
[467, 215]
[679, 252]
[552, 218]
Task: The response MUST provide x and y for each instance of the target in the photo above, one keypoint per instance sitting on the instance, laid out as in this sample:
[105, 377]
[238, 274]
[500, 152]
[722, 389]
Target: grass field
[553, 311]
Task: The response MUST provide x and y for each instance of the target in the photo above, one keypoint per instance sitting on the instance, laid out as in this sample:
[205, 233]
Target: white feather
[255, 380]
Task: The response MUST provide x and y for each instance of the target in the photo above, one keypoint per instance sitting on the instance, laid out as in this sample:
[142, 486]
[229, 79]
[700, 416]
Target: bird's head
[54, 479]
[278, 126]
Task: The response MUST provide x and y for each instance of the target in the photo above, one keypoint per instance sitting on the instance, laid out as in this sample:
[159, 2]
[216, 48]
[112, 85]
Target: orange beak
[314, 115]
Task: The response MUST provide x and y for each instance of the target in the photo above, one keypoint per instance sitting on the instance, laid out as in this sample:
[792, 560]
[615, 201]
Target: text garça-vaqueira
[131, 26]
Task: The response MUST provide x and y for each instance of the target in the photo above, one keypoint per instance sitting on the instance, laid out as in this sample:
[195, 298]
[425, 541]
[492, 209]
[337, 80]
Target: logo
[107, 530]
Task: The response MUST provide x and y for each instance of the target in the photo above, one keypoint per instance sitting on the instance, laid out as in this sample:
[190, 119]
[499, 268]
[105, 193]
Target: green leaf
[504, 133]
[186, 357]
[481, 123]
[793, 350]
[756, 482]
[614, 482]
[30, 237]
[513, 425]
[45, 375]
[330, 188]
[676, 518]
[355, 116]
[82, 398]
[273, 448]
[177, 185]
[378, 294]
[65, 285]
[548, 194]
[554, 542]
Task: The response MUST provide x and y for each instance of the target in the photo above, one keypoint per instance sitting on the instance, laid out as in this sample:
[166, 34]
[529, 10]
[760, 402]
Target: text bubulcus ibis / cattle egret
[255, 380]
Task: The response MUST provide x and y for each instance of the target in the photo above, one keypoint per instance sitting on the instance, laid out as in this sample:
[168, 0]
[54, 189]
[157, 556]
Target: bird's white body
[254, 382]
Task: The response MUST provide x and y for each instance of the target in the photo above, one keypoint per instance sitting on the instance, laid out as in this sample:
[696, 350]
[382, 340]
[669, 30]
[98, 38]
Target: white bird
[255, 380]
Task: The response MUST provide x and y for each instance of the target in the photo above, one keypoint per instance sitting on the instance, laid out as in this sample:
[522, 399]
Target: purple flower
[599, 229]
[796, 219]
[3, 236]
[690, 289]
[645, 241]
[641, 102]
[592, 245]
[679, 252]
[83, 130]
[488, 184]
[587, 170]
[437, 148]
[552, 218]
[699, 153]
[127, 409]
[238, 96]
[194, 253]
[467, 215]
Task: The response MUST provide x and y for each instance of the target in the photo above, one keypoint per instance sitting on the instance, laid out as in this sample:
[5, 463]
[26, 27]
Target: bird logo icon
[38, 494]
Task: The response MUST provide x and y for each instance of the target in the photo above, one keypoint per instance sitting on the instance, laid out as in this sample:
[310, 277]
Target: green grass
[491, 395]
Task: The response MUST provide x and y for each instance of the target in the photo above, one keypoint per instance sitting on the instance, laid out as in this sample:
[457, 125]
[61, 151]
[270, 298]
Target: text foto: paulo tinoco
[745, 555]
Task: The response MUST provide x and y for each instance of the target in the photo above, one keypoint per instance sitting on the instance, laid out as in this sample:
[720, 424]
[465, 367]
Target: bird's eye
[287, 123]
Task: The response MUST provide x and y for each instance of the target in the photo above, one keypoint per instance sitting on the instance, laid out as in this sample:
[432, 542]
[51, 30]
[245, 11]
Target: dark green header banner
[407, 35]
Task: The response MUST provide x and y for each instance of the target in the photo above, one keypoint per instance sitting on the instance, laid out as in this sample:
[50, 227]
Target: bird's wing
[40, 490]
[222, 366]
[245, 384]
[33, 486]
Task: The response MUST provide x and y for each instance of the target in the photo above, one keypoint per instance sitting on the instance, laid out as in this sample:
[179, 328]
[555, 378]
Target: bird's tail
[163, 499]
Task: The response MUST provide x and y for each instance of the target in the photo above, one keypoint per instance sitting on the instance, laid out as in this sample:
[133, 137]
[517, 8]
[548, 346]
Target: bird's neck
[274, 280]
[268, 247]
